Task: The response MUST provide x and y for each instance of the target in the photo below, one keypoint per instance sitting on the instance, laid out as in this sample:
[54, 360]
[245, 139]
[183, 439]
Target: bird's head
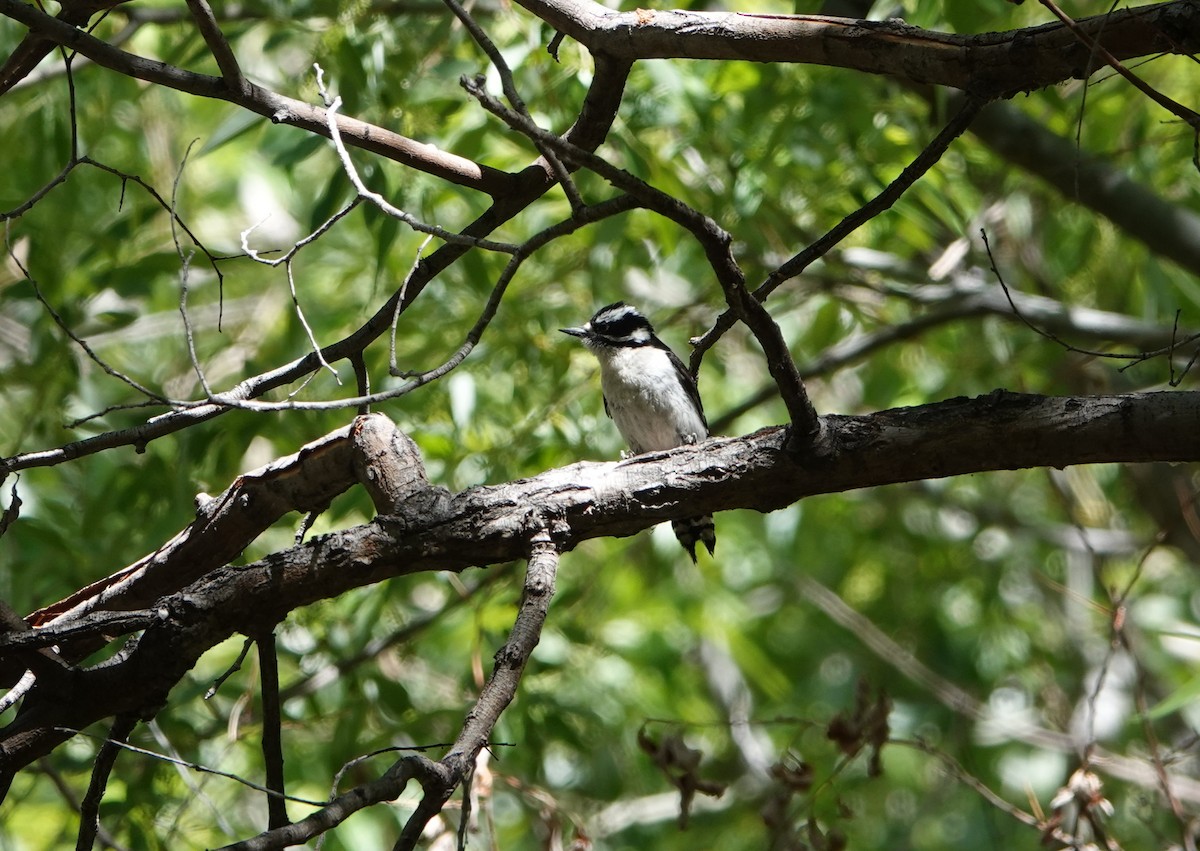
[618, 325]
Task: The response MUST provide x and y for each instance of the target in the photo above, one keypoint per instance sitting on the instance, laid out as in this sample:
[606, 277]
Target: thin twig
[89, 810]
[75, 338]
[256, 255]
[335, 134]
[1191, 117]
[206, 22]
[183, 763]
[189, 337]
[880, 203]
[1136, 358]
[393, 369]
[967, 778]
[508, 84]
[230, 671]
[1119, 624]
[312, 338]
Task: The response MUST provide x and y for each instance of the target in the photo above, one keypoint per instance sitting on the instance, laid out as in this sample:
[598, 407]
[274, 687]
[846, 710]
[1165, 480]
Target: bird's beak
[575, 332]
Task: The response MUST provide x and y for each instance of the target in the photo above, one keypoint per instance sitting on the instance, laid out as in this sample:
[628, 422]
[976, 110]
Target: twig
[206, 22]
[75, 338]
[89, 810]
[272, 729]
[514, 98]
[393, 369]
[1136, 358]
[335, 134]
[189, 337]
[183, 763]
[312, 338]
[877, 205]
[230, 671]
[185, 261]
[1192, 118]
[1119, 623]
[256, 255]
[286, 261]
[970, 780]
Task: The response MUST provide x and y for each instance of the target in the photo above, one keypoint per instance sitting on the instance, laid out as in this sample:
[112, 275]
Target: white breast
[651, 408]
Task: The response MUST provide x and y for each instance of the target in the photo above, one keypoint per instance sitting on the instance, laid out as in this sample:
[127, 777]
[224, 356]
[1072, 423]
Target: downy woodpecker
[649, 394]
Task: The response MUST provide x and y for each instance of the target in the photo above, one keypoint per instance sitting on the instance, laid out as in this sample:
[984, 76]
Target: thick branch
[987, 65]
[435, 530]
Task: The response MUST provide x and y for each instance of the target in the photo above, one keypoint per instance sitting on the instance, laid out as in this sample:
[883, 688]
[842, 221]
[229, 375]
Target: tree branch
[272, 726]
[440, 779]
[987, 65]
[1171, 230]
[435, 530]
[279, 108]
[89, 810]
[882, 202]
[595, 118]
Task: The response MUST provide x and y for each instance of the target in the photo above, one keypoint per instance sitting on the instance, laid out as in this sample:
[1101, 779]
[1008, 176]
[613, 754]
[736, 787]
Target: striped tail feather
[696, 530]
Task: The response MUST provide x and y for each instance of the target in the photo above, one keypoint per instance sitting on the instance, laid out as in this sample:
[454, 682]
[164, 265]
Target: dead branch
[987, 65]
[435, 530]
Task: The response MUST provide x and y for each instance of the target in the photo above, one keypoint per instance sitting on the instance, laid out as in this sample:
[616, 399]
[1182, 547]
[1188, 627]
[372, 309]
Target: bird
[649, 394]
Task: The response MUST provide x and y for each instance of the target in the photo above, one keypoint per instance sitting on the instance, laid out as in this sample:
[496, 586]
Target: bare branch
[1137, 82]
[440, 779]
[501, 688]
[514, 98]
[331, 112]
[206, 22]
[987, 65]
[877, 205]
[436, 530]
[279, 108]
[595, 118]
[89, 811]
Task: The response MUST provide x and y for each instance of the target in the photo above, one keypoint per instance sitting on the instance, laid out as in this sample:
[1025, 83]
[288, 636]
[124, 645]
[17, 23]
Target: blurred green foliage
[983, 579]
